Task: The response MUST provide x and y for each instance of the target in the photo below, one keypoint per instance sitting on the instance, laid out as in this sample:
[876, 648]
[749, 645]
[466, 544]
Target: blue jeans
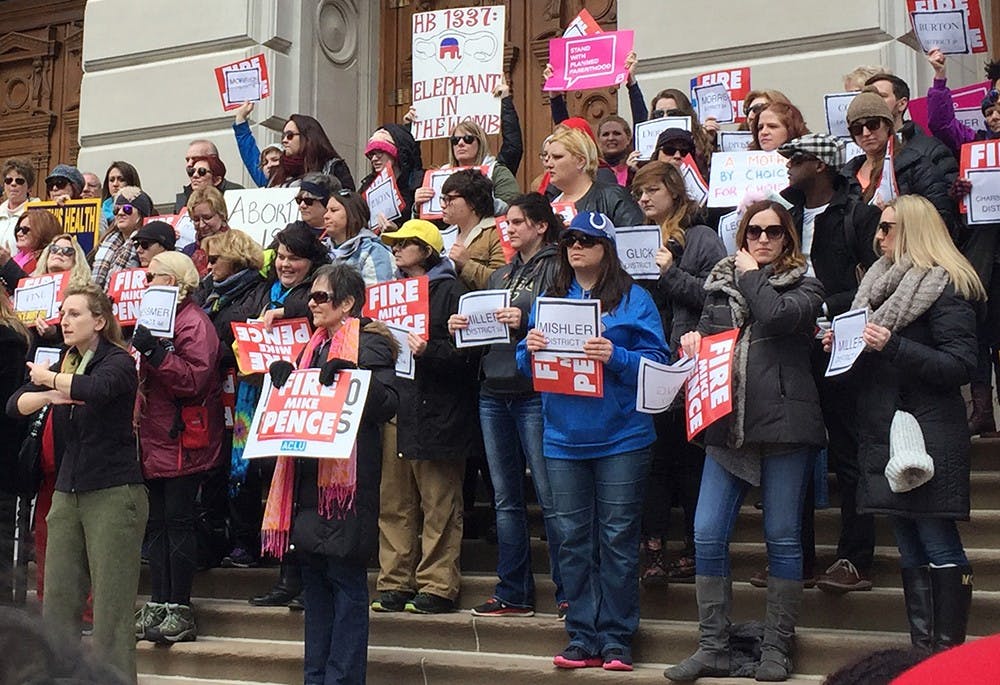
[512, 432]
[600, 568]
[928, 541]
[336, 621]
[783, 481]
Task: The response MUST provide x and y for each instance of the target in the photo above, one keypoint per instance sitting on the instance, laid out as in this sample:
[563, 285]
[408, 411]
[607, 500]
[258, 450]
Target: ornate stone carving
[337, 30]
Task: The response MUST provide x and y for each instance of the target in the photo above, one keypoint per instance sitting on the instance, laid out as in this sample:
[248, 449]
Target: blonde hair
[213, 197]
[180, 266]
[578, 144]
[236, 246]
[99, 305]
[856, 78]
[922, 235]
[472, 129]
[9, 318]
[79, 274]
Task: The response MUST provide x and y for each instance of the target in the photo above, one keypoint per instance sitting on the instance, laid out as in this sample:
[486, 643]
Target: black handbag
[28, 473]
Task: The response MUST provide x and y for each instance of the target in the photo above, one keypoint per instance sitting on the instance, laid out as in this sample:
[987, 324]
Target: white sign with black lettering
[480, 308]
[637, 247]
[714, 102]
[158, 309]
[647, 132]
[405, 361]
[983, 201]
[567, 324]
[847, 342]
[734, 141]
[836, 105]
[659, 383]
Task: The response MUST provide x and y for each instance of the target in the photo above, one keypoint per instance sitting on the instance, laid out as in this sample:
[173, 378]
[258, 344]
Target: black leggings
[173, 543]
[674, 478]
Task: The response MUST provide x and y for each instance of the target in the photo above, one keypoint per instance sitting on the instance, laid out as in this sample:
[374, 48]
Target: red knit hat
[381, 146]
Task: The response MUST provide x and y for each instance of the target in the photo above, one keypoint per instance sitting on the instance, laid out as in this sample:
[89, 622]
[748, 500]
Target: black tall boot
[919, 600]
[952, 592]
[288, 588]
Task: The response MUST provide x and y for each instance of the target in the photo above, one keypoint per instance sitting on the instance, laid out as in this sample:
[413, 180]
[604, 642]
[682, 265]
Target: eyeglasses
[321, 296]
[307, 201]
[201, 171]
[145, 244]
[873, 125]
[755, 109]
[288, 135]
[570, 239]
[10, 181]
[150, 276]
[772, 232]
[58, 183]
[62, 251]
[885, 226]
[124, 209]
[22, 229]
[448, 199]
[467, 139]
[670, 150]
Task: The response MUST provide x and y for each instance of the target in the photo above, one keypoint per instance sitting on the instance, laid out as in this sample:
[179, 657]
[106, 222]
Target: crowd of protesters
[131, 457]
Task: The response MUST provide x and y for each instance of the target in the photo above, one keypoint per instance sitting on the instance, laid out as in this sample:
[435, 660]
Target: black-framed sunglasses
[57, 183]
[773, 232]
[569, 239]
[62, 251]
[151, 276]
[307, 201]
[670, 150]
[288, 135]
[22, 229]
[213, 258]
[885, 226]
[873, 124]
[755, 109]
[201, 171]
[468, 139]
[124, 209]
[10, 181]
[145, 244]
[321, 297]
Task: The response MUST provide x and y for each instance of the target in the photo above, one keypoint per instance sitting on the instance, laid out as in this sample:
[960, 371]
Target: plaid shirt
[115, 253]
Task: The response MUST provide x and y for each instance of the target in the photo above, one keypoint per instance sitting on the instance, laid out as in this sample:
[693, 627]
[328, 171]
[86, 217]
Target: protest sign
[637, 247]
[257, 348]
[262, 212]
[158, 309]
[966, 97]
[595, 61]
[583, 24]
[734, 174]
[480, 307]
[980, 164]
[736, 81]
[943, 30]
[184, 231]
[694, 182]
[835, 105]
[847, 342]
[228, 397]
[80, 218]
[567, 375]
[457, 63]
[304, 418]
[508, 249]
[404, 302]
[405, 361]
[567, 324]
[926, 29]
[734, 141]
[709, 388]
[647, 133]
[713, 102]
[448, 237]
[971, 117]
[383, 197]
[729, 224]
[434, 179]
[659, 384]
[243, 81]
[126, 289]
[39, 297]
[887, 189]
[47, 356]
[567, 210]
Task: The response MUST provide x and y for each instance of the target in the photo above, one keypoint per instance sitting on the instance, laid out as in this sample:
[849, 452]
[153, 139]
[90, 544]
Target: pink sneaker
[575, 657]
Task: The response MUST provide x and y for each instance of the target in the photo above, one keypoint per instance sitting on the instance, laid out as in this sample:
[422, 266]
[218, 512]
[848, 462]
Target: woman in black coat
[922, 296]
[14, 343]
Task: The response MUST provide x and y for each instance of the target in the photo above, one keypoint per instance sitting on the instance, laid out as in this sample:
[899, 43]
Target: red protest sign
[39, 297]
[709, 389]
[404, 302]
[508, 249]
[567, 210]
[125, 290]
[257, 348]
[567, 375]
[973, 17]
[243, 81]
[961, 98]
[583, 25]
[736, 81]
[982, 159]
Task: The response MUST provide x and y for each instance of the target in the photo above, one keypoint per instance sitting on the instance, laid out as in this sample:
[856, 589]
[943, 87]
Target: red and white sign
[976, 36]
[736, 81]
[39, 297]
[304, 418]
[434, 179]
[243, 81]
[257, 348]
[710, 387]
[583, 25]
[980, 164]
[567, 210]
[184, 232]
[966, 97]
[508, 249]
[567, 375]
[125, 290]
[404, 302]
[694, 182]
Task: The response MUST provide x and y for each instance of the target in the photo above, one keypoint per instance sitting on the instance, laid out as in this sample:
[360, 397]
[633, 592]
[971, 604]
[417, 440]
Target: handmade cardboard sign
[262, 212]
[734, 174]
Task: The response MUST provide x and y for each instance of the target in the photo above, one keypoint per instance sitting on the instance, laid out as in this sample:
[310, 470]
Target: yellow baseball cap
[417, 228]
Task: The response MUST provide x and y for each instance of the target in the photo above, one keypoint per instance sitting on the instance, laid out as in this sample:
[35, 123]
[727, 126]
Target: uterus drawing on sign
[450, 49]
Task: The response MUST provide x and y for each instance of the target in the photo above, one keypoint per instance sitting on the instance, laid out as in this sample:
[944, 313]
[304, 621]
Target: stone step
[150, 679]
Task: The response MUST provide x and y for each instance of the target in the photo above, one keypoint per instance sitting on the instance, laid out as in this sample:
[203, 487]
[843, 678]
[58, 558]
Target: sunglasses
[570, 239]
[145, 244]
[200, 171]
[124, 209]
[11, 181]
[773, 232]
[62, 251]
[873, 125]
[756, 109]
[307, 201]
[321, 297]
[406, 242]
[22, 229]
[58, 184]
[213, 258]
[288, 135]
[150, 276]
[467, 139]
[886, 226]
[670, 150]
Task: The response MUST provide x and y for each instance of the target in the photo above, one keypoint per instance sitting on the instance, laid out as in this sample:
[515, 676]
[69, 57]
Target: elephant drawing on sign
[450, 50]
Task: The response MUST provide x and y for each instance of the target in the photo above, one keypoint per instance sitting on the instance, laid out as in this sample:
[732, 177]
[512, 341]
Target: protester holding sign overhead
[308, 149]
[769, 439]
[346, 231]
[922, 297]
[467, 204]
[941, 111]
[597, 470]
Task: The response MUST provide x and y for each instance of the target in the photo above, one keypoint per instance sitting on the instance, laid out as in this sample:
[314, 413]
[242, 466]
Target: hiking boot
[425, 603]
[759, 579]
[178, 626]
[843, 577]
[391, 600]
[239, 558]
[576, 657]
[495, 606]
[616, 659]
[148, 617]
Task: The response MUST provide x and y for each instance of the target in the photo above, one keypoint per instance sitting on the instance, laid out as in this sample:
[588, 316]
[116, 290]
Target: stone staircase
[244, 644]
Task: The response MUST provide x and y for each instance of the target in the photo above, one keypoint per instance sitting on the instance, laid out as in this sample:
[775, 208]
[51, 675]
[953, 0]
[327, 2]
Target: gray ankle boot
[784, 597]
[715, 597]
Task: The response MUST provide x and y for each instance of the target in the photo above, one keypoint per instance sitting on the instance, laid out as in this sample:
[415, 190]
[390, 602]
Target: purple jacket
[942, 121]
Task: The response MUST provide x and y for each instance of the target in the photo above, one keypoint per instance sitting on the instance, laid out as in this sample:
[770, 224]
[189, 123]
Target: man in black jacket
[836, 233]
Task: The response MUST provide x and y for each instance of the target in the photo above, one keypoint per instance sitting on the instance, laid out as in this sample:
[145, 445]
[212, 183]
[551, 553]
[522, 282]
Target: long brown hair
[685, 208]
[791, 118]
[791, 254]
[613, 283]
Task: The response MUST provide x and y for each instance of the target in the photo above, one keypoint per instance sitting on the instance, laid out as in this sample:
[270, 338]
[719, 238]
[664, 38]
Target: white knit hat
[909, 464]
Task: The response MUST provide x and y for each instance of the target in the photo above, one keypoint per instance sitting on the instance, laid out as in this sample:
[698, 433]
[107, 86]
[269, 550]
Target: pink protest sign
[962, 98]
[585, 62]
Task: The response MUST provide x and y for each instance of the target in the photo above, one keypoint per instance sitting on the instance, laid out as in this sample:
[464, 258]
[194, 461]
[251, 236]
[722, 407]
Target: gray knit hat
[867, 104]
[909, 464]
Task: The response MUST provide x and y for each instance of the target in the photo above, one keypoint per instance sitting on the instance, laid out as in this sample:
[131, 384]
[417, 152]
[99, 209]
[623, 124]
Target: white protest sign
[262, 212]
[448, 238]
[946, 30]
[847, 342]
[637, 247]
[714, 102]
[47, 356]
[567, 324]
[405, 361]
[480, 307]
[659, 384]
[729, 224]
[457, 63]
[836, 105]
[383, 197]
[647, 132]
[852, 150]
[734, 174]
[243, 85]
[983, 201]
[158, 309]
[435, 179]
[971, 117]
[304, 418]
[694, 184]
[734, 141]
[37, 301]
[887, 189]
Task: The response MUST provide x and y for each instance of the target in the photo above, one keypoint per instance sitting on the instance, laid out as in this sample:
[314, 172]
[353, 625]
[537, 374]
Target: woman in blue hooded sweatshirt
[597, 449]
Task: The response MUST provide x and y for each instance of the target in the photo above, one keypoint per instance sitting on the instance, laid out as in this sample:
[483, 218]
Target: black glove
[328, 373]
[280, 371]
[148, 345]
[960, 187]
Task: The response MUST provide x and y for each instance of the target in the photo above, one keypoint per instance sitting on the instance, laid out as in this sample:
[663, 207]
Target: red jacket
[188, 377]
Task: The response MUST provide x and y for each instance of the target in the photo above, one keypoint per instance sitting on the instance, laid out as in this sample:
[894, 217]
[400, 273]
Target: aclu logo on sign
[293, 446]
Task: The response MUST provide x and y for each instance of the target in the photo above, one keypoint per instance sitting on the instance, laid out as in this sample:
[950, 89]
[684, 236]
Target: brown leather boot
[981, 421]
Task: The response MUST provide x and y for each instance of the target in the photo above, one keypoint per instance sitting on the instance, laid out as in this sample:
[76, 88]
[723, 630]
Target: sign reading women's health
[734, 174]
[258, 347]
[710, 387]
[39, 297]
[304, 418]
[457, 63]
[567, 323]
[736, 82]
[954, 26]
[981, 165]
[404, 302]
[80, 218]
[126, 289]
[594, 61]
[243, 81]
